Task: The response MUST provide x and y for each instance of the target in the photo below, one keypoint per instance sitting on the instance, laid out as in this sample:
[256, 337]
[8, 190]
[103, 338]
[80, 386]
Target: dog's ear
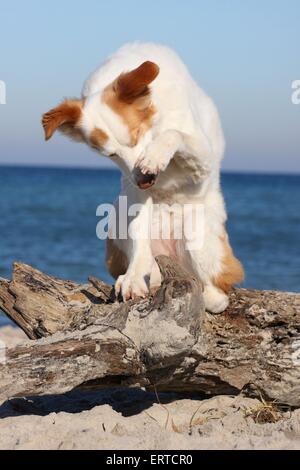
[134, 85]
[64, 117]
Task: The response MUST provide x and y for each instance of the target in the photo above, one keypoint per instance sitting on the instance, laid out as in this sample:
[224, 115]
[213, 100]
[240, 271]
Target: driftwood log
[84, 337]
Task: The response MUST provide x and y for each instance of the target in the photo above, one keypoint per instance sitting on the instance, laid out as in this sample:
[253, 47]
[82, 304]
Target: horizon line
[117, 170]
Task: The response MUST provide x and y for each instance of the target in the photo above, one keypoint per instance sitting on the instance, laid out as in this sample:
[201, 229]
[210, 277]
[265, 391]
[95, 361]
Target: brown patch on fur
[135, 84]
[64, 117]
[98, 138]
[232, 272]
[129, 96]
[116, 260]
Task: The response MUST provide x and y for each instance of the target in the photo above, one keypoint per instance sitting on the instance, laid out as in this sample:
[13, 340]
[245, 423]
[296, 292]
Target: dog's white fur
[184, 146]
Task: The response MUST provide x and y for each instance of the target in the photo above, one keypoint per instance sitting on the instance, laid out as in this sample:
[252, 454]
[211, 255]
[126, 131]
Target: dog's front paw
[131, 286]
[154, 160]
[149, 165]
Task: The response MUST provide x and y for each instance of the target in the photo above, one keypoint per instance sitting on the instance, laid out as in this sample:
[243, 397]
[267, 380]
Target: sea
[48, 219]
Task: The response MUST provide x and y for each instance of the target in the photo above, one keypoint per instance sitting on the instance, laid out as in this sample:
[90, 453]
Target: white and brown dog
[143, 109]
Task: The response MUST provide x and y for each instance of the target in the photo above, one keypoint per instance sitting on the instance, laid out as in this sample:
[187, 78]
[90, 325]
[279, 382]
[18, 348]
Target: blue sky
[245, 54]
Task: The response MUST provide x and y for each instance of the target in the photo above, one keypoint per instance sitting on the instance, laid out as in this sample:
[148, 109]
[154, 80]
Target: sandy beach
[134, 419]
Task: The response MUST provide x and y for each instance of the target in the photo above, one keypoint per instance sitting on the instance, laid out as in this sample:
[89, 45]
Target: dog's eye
[112, 155]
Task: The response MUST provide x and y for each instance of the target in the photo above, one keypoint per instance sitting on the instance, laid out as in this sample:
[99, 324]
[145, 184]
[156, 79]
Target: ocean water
[48, 219]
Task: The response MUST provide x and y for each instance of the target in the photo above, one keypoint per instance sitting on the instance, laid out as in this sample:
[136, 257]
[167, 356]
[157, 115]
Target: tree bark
[84, 337]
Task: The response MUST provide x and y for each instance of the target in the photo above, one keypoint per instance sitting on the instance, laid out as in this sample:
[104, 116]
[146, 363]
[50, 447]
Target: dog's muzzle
[144, 181]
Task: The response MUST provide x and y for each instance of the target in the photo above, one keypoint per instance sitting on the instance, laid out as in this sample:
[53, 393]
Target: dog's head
[114, 120]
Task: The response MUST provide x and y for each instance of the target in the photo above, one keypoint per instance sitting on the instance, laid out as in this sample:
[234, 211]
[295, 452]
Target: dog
[142, 109]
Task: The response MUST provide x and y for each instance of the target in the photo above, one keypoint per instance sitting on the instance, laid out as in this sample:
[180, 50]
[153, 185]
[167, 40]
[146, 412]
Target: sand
[133, 419]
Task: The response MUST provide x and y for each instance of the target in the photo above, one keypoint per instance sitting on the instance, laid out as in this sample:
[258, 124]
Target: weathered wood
[89, 339]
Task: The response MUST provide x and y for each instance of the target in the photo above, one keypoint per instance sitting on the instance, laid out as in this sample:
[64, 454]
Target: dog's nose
[144, 181]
